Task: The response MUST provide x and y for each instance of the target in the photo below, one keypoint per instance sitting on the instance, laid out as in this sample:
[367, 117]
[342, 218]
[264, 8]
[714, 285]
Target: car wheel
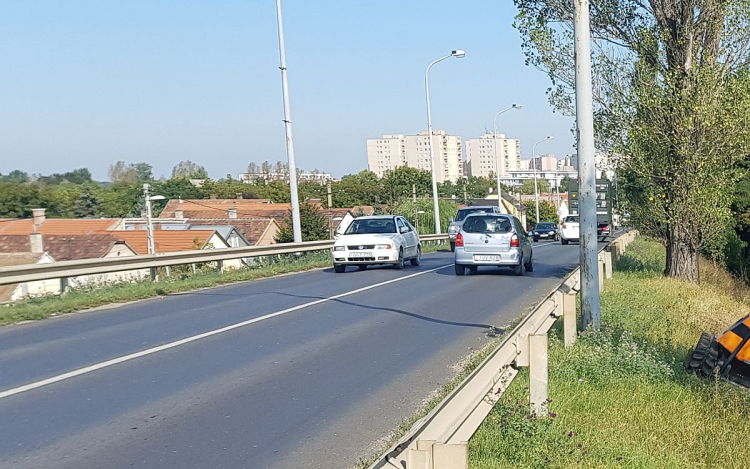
[453, 246]
[339, 268]
[417, 260]
[474, 269]
[536, 240]
[400, 263]
[529, 266]
[460, 270]
[564, 241]
[518, 270]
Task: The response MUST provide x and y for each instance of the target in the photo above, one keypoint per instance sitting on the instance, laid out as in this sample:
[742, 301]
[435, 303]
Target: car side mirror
[404, 229]
[530, 233]
[450, 220]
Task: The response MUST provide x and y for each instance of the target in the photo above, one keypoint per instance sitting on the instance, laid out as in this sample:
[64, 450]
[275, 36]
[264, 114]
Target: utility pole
[590, 301]
[414, 193]
[149, 223]
[330, 196]
[296, 228]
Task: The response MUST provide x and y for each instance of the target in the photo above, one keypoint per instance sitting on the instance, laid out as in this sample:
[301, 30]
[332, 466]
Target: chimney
[178, 214]
[35, 240]
[232, 212]
[314, 202]
[38, 214]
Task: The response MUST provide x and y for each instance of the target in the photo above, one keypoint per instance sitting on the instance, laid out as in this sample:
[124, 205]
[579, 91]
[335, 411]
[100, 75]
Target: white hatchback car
[570, 229]
[382, 239]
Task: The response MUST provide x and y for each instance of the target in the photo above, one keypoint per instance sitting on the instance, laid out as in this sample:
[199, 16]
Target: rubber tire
[460, 269]
[400, 264]
[536, 240]
[339, 268]
[453, 246]
[473, 269]
[530, 265]
[518, 270]
[703, 361]
[417, 260]
[564, 242]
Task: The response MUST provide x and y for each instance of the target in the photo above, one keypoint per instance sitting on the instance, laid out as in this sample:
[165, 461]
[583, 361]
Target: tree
[671, 96]
[16, 176]
[87, 204]
[564, 184]
[397, 184]
[313, 224]
[528, 186]
[547, 212]
[253, 168]
[189, 170]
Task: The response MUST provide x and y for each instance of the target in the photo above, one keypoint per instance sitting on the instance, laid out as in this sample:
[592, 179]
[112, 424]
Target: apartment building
[481, 155]
[543, 163]
[391, 151]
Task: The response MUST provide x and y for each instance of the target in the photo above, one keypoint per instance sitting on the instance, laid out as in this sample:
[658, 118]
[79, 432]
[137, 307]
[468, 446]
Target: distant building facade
[483, 159]
[394, 150]
[304, 176]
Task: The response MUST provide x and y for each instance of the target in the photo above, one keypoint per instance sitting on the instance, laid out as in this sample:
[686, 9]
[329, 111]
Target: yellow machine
[726, 357]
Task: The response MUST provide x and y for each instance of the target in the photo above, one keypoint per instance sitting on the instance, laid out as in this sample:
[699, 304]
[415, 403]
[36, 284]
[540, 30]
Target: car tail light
[459, 241]
[564, 226]
[514, 241]
[606, 228]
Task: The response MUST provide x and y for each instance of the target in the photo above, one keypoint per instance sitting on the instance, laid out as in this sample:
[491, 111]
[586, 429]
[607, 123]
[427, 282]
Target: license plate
[360, 254]
[486, 258]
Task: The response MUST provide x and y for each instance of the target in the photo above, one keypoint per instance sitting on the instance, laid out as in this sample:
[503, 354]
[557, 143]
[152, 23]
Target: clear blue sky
[84, 83]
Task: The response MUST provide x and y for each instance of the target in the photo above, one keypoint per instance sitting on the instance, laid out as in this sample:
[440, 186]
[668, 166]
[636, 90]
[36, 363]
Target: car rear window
[464, 212]
[545, 226]
[480, 224]
[571, 219]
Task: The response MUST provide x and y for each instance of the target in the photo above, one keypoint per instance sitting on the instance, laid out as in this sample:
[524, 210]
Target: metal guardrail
[440, 439]
[69, 269]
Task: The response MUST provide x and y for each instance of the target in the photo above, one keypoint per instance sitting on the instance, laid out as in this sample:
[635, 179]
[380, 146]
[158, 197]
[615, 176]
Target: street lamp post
[536, 191]
[149, 223]
[494, 146]
[458, 54]
[296, 227]
[416, 219]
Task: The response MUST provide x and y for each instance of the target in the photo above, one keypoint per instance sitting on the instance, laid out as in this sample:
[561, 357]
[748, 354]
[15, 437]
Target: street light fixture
[494, 146]
[536, 191]
[457, 54]
[149, 225]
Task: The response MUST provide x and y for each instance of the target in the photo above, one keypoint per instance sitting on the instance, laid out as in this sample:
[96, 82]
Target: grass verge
[86, 298]
[621, 397]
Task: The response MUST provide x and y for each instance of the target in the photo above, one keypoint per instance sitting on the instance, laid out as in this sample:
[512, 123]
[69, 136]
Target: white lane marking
[177, 343]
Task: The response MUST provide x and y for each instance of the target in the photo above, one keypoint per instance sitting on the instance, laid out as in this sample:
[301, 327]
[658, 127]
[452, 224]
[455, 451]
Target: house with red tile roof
[16, 291]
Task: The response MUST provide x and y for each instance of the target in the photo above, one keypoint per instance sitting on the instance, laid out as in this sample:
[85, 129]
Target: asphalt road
[306, 370]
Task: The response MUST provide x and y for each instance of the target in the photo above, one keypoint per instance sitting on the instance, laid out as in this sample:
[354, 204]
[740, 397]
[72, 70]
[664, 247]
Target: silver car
[496, 240]
[455, 225]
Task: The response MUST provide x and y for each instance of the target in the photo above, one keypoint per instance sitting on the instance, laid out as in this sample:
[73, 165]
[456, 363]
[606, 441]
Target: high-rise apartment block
[481, 155]
[391, 151]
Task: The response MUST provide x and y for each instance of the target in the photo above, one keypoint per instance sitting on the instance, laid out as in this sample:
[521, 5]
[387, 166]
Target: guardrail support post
[538, 374]
[569, 319]
[64, 284]
[167, 272]
[154, 272]
[601, 273]
[450, 456]
[607, 265]
[220, 266]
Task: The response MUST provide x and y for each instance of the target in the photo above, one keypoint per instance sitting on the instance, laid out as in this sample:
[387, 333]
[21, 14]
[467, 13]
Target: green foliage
[87, 205]
[189, 170]
[671, 93]
[397, 184]
[313, 225]
[528, 186]
[15, 176]
[547, 212]
[621, 397]
[425, 222]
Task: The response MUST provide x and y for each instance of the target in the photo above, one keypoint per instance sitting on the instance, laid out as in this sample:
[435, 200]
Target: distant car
[382, 239]
[493, 240]
[455, 225]
[570, 229]
[545, 230]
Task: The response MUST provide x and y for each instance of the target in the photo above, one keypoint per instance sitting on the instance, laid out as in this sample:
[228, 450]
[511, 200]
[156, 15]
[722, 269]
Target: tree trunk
[682, 257]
